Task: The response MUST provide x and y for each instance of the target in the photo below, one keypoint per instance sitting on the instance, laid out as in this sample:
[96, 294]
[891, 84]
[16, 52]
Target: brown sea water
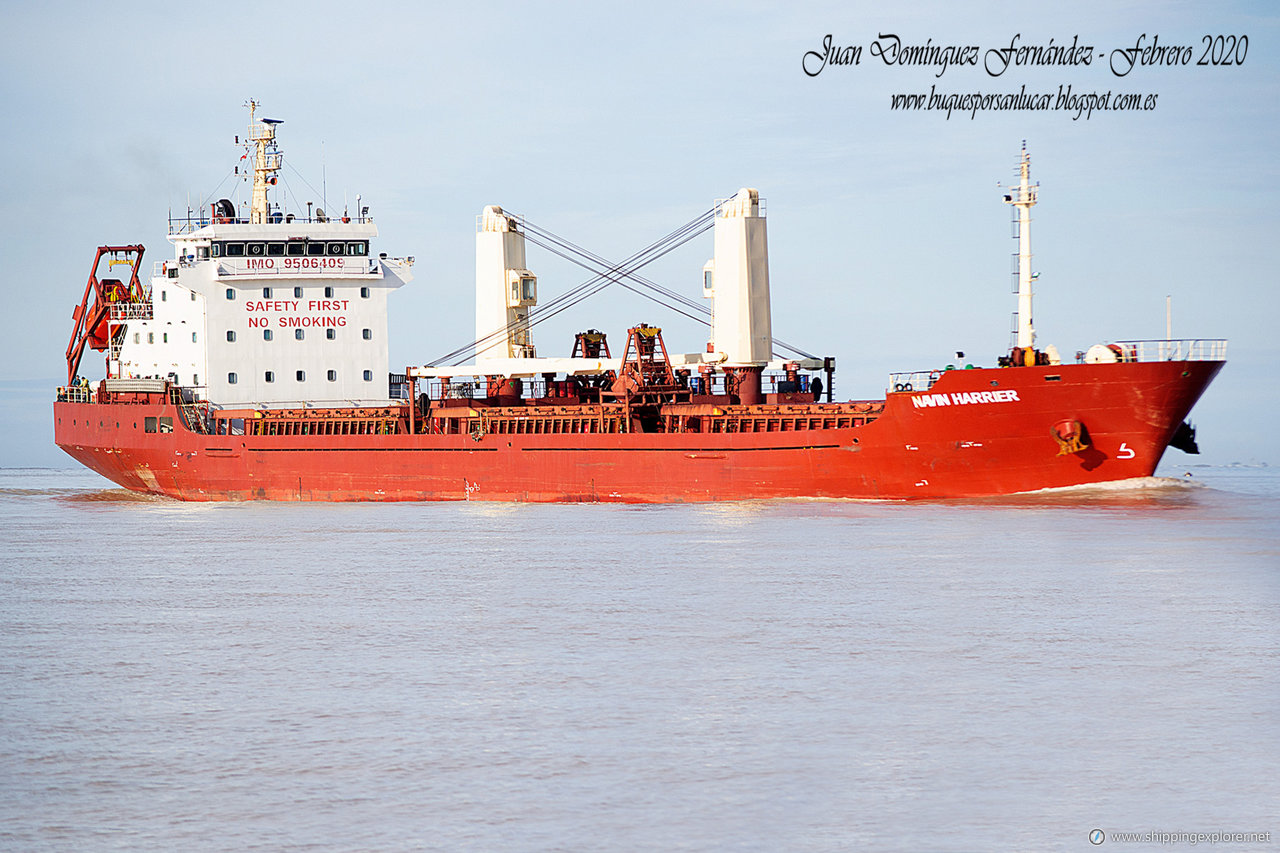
[760, 676]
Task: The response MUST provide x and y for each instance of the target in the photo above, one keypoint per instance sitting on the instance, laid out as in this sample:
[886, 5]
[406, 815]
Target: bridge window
[232, 379]
[357, 248]
[315, 248]
[275, 249]
[234, 250]
[297, 248]
[299, 334]
[337, 248]
[231, 336]
[331, 333]
[257, 249]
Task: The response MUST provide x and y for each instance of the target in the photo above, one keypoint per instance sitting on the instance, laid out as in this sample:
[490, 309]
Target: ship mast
[1023, 197]
[266, 162]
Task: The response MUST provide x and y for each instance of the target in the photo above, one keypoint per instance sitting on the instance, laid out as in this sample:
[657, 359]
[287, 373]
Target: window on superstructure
[315, 248]
[217, 250]
[235, 250]
[331, 333]
[299, 334]
[266, 293]
[367, 334]
[332, 376]
[193, 296]
[165, 338]
[232, 379]
[301, 376]
[137, 337]
[364, 293]
[328, 293]
[195, 379]
[164, 296]
[202, 253]
[231, 336]
[297, 248]
[193, 337]
[269, 376]
[257, 249]
[357, 248]
[297, 293]
[151, 337]
[368, 376]
[275, 249]
[231, 293]
[267, 334]
[337, 248]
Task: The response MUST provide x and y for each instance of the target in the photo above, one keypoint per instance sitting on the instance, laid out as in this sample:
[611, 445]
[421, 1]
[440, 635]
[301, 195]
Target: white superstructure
[269, 309]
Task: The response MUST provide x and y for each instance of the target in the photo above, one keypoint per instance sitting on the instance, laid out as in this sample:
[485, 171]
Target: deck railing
[1201, 349]
[1187, 350]
[75, 394]
[915, 380]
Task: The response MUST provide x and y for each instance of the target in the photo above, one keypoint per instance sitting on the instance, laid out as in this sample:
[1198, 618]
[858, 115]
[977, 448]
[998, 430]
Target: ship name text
[964, 398]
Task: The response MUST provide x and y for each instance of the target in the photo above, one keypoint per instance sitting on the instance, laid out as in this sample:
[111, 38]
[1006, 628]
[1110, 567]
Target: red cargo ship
[252, 365]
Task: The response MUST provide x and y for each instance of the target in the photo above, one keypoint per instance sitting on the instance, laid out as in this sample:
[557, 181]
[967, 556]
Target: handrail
[914, 380]
[1206, 349]
[75, 394]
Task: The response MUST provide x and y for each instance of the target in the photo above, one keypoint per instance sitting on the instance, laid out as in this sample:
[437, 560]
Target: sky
[613, 124]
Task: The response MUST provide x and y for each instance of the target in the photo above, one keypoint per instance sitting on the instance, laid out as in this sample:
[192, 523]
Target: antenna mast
[1024, 197]
[266, 162]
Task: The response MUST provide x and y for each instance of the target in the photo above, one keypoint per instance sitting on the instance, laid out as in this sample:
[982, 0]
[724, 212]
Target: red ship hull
[975, 433]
